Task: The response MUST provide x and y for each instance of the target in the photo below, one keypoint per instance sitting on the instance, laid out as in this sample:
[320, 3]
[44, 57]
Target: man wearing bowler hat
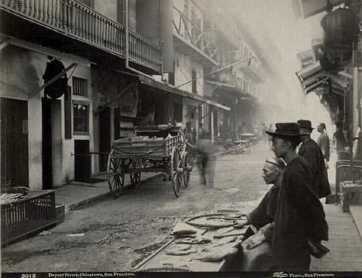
[313, 155]
[299, 216]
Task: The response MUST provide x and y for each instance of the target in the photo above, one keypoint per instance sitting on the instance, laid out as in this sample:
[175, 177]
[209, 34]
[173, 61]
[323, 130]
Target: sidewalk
[345, 243]
[78, 194]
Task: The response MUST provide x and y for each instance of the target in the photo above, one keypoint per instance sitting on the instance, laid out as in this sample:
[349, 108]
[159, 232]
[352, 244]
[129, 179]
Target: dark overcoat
[299, 216]
[313, 155]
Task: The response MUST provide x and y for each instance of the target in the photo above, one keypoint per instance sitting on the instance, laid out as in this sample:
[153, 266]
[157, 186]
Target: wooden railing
[82, 22]
[143, 52]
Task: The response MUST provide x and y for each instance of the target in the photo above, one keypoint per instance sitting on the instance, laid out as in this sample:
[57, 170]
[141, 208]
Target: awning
[228, 88]
[172, 90]
[314, 77]
[337, 84]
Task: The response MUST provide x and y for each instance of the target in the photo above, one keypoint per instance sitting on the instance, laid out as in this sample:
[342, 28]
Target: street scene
[149, 136]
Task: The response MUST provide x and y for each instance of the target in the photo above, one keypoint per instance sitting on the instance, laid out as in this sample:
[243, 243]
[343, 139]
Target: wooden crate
[34, 212]
[351, 194]
[347, 170]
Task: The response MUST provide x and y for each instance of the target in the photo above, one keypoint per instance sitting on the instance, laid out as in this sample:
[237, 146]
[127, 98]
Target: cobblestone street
[116, 234]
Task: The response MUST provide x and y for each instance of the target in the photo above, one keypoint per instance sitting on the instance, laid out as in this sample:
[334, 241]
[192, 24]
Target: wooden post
[212, 126]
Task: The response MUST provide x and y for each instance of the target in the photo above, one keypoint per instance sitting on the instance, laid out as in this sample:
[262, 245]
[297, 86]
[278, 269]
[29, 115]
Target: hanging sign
[58, 87]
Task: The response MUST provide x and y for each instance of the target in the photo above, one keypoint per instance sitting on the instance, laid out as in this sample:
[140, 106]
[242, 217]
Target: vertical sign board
[68, 113]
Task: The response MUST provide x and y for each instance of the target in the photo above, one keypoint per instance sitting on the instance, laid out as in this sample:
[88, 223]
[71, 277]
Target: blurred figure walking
[206, 159]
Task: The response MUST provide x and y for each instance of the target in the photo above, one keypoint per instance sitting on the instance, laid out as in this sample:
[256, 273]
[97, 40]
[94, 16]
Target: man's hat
[285, 130]
[305, 124]
[322, 125]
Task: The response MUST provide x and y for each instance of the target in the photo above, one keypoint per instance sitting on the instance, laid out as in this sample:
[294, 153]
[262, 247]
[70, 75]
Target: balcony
[192, 39]
[80, 22]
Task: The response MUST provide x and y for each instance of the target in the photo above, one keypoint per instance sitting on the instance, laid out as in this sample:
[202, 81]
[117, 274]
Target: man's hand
[238, 224]
[254, 241]
[326, 164]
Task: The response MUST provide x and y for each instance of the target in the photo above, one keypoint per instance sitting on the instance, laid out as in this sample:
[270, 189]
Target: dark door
[47, 144]
[104, 137]
[82, 161]
[14, 142]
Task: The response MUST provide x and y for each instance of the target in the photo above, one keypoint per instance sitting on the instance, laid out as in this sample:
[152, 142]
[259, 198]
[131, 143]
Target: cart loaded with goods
[160, 148]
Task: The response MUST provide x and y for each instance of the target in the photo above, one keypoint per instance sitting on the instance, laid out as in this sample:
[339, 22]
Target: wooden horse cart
[152, 150]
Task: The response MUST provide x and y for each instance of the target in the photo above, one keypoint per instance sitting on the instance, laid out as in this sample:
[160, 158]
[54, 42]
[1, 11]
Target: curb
[356, 214]
[97, 198]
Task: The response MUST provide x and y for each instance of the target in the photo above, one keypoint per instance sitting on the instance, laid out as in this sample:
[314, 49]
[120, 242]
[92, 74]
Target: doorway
[14, 142]
[82, 160]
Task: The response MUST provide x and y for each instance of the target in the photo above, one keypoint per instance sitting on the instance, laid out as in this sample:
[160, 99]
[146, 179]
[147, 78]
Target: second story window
[194, 81]
[80, 87]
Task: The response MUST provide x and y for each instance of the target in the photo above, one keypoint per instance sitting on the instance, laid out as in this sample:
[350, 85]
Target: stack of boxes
[351, 194]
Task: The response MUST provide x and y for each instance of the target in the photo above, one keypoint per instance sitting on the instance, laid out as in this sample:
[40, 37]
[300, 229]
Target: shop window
[80, 87]
[80, 118]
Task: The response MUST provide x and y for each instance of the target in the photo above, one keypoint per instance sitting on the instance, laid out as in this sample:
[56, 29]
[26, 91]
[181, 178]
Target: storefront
[40, 135]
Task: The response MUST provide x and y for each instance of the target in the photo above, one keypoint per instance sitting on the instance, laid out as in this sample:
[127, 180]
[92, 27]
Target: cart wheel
[187, 162]
[135, 176]
[175, 173]
[115, 174]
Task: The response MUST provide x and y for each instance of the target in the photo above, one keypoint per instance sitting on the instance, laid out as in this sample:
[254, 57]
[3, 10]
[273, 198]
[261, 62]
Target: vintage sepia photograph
[181, 138]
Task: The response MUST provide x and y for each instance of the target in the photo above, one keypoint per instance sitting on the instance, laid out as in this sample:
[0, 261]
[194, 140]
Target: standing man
[313, 155]
[323, 142]
[299, 216]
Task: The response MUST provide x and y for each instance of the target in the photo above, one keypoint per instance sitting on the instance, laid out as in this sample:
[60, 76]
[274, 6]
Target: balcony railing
[192, 33]
[79, 21]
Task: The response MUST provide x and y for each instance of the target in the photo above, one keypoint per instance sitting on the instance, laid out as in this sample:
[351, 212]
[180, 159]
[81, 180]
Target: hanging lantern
[341, 31]
[340, 27]
[58, 87]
